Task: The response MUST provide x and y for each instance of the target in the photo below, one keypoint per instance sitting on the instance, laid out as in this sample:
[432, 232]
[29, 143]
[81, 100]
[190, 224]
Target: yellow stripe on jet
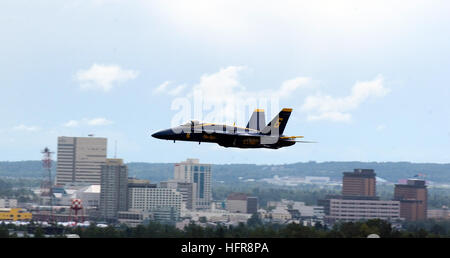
[287, 109]
[291, 137]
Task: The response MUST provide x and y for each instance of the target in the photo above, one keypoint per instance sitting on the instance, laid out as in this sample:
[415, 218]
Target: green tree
[38, 232]
[4, 232]
[254, 221]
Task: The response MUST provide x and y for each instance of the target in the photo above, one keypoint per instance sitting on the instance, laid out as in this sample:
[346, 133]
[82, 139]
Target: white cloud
[325, 107]
[223, 97]
[104, 2]
[177, 90]
[381, 127]
[100, 121]
[104, 77]
[236, 21]
[223, 85]
[331, 116]
[26, 128]
[290, 86]
[164, 88]
[72, 123]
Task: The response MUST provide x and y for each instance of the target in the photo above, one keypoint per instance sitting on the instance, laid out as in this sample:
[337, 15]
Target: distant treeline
[310, 194]
[391, 171]
[254, 228]
[14, 189]
[265, 193]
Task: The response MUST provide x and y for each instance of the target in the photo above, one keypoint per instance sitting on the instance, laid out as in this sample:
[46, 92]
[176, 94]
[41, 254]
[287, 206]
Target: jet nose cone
[163, 134]
[157, 135]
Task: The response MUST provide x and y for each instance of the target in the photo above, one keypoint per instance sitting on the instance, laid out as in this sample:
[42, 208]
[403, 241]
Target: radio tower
[47, 164]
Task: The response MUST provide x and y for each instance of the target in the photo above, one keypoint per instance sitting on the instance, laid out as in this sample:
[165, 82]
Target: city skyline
[365, 80]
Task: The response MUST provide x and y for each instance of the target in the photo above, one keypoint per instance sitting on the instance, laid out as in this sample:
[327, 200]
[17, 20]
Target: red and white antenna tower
[46, 186]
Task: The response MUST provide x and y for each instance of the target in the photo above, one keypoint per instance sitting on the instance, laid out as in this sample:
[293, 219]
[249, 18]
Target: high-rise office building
[113, 189]
[360, 182]
[191, 171]
[413, 198]
[80, 160]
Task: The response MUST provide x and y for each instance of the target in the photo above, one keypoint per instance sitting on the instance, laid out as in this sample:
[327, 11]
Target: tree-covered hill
[391, 171]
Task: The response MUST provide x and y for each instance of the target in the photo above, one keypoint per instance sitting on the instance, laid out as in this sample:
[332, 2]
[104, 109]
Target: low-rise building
[8, 203]
[133, 218]
[64, 213]
[164, 203]
[307, 211]
[439, 214]
[88, 194]
[280, 214]
[346, 210]
[241, 203]
[186, 189]
[217, 216]
[14, 214]
[317, 180]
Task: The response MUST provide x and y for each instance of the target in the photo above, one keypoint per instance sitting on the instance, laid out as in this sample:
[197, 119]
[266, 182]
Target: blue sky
[368, 80]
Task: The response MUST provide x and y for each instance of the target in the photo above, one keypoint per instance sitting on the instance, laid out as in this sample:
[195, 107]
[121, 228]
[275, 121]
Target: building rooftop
[92, 189]
[358, 172]
[414, 183]
[237, 196]
[191, 161]
[112, 162]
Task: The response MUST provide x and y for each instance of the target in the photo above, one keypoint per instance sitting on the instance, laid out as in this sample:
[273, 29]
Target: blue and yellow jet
[255, 135]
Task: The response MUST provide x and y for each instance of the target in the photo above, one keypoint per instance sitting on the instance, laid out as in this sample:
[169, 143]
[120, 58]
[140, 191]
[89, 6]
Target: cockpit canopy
[192, 123]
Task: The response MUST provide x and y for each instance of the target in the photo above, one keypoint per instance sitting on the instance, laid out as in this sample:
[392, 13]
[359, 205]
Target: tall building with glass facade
[113, 189]
[192, 171]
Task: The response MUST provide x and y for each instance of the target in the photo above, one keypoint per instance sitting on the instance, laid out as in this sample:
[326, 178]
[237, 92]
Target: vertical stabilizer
[258, 120]
[278, 123]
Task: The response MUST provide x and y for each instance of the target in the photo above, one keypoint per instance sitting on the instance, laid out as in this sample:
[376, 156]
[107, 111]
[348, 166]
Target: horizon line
[266, 164]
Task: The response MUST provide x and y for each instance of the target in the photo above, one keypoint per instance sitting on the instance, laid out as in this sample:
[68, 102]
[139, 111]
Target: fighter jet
[255, 135]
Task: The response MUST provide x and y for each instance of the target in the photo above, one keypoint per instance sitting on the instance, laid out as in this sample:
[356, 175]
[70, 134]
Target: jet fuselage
[224, 135]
